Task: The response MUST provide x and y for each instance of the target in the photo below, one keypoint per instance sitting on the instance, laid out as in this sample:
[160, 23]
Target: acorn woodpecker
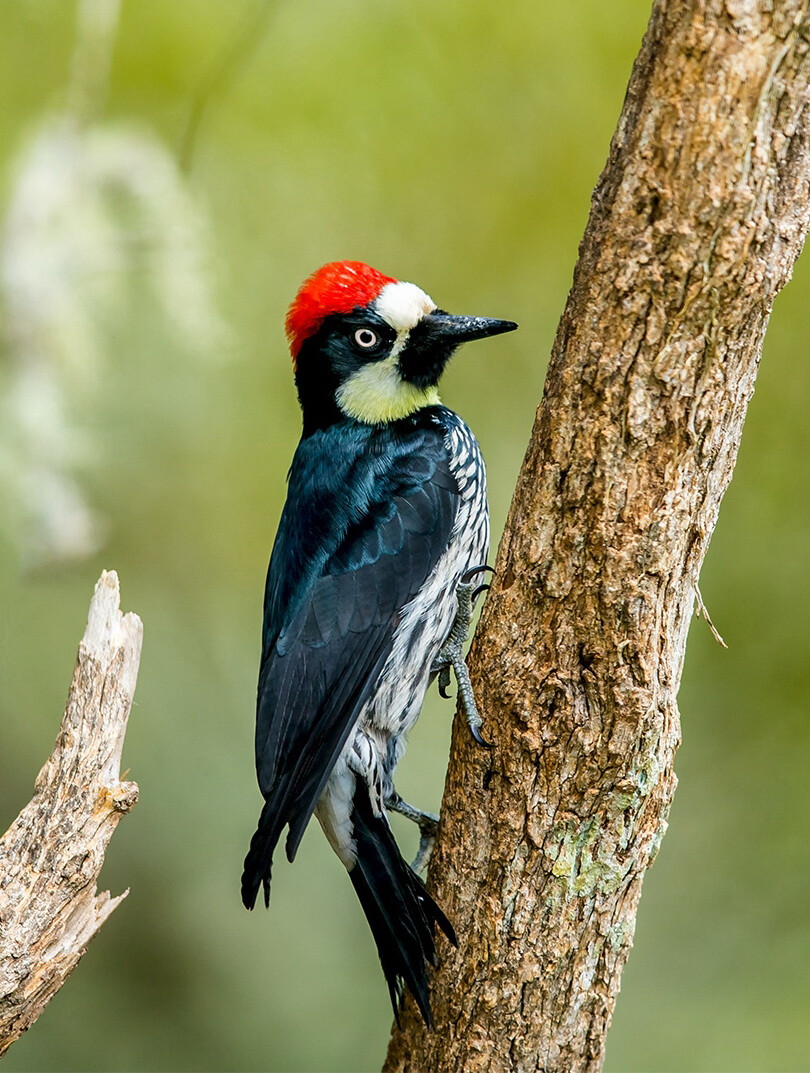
[376, 563]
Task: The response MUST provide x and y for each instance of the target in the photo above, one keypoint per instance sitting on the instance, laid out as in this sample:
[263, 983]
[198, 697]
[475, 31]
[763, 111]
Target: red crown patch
[334, 288]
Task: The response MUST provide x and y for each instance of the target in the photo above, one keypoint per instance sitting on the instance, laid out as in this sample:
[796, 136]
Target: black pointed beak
[446, 328]
[432, 341]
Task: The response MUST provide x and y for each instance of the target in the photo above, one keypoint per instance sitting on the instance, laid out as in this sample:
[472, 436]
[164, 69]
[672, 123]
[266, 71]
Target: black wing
[322, 659]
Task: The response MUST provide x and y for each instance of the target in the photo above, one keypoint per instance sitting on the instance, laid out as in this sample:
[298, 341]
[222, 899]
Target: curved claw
[476, 734]
[477, 592]
[468, 575]
[442, 692]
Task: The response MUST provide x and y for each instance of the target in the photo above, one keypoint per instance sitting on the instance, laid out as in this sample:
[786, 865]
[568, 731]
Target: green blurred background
[148, 419]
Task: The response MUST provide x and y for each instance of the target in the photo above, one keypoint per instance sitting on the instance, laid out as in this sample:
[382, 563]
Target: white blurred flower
[90, 204]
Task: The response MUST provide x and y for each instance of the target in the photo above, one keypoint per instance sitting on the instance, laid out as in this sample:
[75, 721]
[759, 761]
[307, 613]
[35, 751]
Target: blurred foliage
[455, 144]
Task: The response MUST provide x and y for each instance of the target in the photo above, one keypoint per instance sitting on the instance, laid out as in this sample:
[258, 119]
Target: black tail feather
[400, 912]
[259, 859]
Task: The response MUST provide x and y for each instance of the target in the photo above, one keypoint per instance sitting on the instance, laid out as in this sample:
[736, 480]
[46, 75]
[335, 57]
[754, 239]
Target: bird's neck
[370, 397]
[377, 394]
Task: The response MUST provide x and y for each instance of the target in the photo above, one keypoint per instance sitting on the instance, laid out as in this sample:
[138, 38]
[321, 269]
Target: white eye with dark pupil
[366, 338]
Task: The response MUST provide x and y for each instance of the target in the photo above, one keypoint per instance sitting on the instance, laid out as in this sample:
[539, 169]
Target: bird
[376, 564]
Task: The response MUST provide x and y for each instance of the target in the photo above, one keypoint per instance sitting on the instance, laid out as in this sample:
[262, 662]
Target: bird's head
[369, 347]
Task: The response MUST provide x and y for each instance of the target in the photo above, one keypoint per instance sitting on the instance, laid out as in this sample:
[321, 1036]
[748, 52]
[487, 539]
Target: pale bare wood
[51, 856]
[694, 227]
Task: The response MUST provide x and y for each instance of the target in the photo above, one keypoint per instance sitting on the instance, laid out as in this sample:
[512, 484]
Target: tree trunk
[51, 856]
[694, 227]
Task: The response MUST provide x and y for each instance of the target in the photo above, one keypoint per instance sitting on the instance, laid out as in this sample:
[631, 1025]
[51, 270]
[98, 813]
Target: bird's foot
[427, 822]
[451, 653]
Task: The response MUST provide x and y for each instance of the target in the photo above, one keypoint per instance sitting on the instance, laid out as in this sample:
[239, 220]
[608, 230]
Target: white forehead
[403, 305]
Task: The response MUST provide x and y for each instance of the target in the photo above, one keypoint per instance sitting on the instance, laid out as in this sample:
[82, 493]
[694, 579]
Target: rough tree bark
[694, 227]
[51, 856]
